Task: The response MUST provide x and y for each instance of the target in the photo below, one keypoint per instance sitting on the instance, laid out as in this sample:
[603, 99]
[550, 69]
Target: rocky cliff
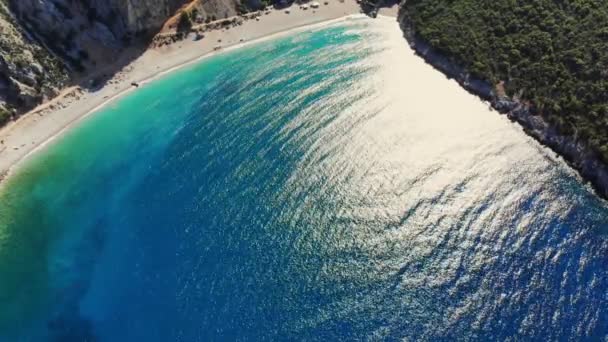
[45, 44]
[28, 72]
[86, 33]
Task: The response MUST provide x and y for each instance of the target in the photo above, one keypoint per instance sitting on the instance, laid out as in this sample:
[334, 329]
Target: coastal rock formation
[45, 44]
[87, 33]
[28, 72]
[582, 158]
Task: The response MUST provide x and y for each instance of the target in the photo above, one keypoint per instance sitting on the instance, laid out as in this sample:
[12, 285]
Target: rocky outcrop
[89, 33]
[29, 74]
[45, 44]
[582, 158]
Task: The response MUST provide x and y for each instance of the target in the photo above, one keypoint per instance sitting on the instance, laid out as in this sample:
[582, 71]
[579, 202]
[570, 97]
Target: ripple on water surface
[323, 185]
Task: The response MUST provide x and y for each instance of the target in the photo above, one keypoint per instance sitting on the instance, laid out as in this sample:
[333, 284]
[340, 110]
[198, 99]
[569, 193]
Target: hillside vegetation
[551, 53]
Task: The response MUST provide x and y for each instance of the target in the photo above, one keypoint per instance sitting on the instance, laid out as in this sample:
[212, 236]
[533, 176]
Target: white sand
[33, 130]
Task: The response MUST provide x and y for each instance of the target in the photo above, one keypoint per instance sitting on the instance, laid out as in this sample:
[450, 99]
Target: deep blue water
[302, 188]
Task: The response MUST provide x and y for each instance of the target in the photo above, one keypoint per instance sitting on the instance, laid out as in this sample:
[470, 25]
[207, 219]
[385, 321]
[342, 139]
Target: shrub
[185, 22]
[5, 116]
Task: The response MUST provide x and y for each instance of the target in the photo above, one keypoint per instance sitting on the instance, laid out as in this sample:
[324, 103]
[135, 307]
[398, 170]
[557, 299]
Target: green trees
[5, 116]
[554, 52]
[186, 20]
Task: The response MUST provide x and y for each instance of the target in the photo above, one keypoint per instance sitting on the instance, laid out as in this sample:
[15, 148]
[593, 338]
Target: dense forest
[553, 53]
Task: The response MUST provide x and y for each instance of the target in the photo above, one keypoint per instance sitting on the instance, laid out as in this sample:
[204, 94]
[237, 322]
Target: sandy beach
[35, 129]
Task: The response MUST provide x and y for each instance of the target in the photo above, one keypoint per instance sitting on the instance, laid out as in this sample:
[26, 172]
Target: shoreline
[162, 73]
[38, 128]
[575, 154]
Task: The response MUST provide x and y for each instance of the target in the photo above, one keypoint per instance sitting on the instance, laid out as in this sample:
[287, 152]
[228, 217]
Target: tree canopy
[554, 53]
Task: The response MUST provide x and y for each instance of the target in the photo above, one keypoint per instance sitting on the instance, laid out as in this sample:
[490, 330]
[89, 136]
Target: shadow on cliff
[99, 74]
[98, 61]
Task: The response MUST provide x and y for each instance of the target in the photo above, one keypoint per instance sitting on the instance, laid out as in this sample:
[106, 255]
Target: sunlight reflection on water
[326, 186]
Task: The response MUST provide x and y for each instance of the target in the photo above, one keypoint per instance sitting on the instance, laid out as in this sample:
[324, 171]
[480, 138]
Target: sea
[323, 184]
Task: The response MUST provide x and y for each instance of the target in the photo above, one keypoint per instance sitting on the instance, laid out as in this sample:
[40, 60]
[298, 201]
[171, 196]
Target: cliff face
[46, 43]
[86, 33]
[28, 72]
[141, 15]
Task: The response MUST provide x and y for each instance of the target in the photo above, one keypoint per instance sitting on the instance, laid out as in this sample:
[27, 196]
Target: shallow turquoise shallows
[323, 185]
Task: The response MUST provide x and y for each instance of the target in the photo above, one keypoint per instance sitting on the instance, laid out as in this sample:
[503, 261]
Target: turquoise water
[302, 188]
